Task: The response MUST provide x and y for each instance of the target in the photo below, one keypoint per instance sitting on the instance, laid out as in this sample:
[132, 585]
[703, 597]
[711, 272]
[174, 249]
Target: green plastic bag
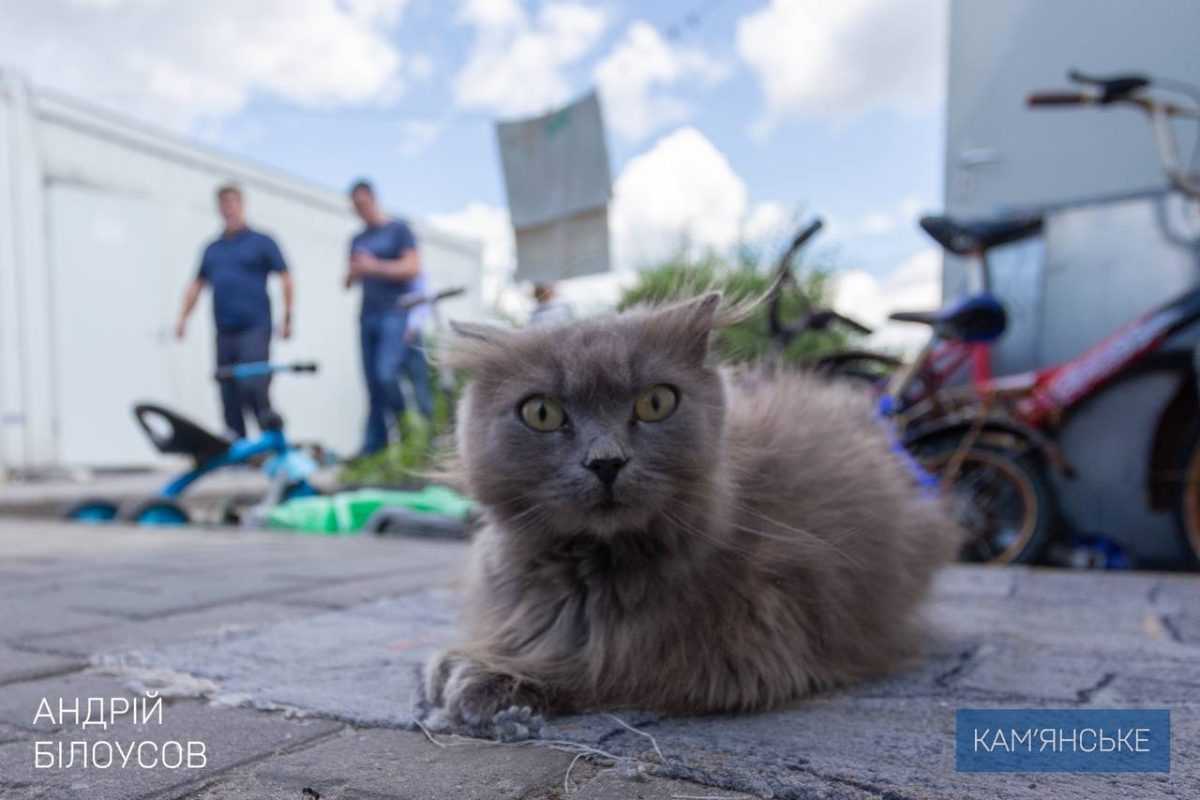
[347, 512]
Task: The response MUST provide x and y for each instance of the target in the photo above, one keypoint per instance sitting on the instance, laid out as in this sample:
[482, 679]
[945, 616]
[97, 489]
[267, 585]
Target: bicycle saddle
[965, 237]
[980, 318]
[173, 433]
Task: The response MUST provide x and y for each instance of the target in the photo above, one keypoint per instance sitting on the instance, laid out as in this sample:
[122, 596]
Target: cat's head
[591, 427]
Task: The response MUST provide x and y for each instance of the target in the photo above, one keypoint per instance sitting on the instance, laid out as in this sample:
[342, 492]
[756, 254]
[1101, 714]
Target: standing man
[385, 261]
[236, 265]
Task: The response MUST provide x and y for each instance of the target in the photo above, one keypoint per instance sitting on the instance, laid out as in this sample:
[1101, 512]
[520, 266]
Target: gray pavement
[292, 658]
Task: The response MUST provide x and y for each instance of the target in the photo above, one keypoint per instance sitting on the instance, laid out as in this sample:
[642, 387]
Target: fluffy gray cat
[660, 536]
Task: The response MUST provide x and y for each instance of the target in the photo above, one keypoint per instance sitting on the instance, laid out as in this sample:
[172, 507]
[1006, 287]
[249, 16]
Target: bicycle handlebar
[410, 301]
[818, 319]
[256, 369]
[1131, 89]
[1059, 99]
[799, 241]
[1113, 87]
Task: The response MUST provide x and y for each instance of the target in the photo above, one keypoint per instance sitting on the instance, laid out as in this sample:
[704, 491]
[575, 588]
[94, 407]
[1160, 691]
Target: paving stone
[11, 733]
[119, 636]
[1075, 625]
[354, 593]
[19, 702]
[170, 596]
[19, 665]
[42, 613]
[400, 765]
[1094, 587]
[982, 582]
[1184, 627]
[611, 784]
[230, 737]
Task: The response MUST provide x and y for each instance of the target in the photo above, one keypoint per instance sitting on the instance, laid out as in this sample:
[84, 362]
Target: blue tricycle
[288, 466]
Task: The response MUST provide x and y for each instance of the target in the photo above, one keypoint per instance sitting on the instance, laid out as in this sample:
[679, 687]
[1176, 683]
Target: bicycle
[862, 366]
[996, 436]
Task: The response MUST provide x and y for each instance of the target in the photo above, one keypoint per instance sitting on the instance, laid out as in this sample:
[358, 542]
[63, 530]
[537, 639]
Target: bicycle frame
[1057, 389]
[1039, 398]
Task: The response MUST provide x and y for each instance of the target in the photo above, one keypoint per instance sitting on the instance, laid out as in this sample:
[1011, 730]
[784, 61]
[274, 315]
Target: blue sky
[726, 117]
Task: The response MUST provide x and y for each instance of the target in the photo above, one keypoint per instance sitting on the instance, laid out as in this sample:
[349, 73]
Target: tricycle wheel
[158, 511]
[92, 511]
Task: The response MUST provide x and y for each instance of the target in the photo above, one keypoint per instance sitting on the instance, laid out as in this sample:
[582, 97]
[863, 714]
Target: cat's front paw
[471, 695]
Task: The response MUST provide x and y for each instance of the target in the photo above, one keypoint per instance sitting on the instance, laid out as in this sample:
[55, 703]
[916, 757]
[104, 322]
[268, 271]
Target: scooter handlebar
[258, 369]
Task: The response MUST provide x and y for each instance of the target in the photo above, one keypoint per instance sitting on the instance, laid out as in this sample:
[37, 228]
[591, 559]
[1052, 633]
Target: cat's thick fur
[765, 542]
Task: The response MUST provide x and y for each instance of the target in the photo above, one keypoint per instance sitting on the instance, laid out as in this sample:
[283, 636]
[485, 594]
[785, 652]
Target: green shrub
[684, 277]
[408, 459]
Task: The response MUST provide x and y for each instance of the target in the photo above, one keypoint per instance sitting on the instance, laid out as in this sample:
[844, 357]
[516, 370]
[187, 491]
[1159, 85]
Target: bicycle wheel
[1003, 502]
[1188, 499]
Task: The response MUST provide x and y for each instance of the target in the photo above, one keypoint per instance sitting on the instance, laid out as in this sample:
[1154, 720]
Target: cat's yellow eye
[544, 414]
[656, 403]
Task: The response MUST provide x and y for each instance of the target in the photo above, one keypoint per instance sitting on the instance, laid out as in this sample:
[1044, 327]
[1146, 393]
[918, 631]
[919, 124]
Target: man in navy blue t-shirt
[385, 261]
[236, 265]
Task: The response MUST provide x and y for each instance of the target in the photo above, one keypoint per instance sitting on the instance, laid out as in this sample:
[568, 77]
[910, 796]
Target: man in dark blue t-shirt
[236, 265]
[385, 261]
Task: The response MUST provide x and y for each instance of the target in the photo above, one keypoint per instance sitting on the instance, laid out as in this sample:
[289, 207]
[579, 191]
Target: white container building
[102, 221]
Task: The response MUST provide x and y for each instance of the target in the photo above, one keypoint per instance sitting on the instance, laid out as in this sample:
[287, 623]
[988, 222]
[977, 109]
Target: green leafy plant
[743, 279]
[409, 458]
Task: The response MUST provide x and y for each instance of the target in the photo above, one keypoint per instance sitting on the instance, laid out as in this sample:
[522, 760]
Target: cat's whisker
[800, 537]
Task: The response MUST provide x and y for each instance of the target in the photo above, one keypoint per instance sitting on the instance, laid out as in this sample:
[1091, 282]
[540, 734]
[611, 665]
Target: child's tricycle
[289, 467]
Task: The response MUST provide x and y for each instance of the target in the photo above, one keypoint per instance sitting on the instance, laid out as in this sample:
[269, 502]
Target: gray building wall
[1105, 257]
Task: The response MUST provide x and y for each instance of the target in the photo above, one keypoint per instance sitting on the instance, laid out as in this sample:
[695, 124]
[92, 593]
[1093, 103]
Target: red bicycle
[991, 442]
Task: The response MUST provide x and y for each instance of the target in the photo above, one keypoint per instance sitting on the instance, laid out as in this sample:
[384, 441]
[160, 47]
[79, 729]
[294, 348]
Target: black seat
[180, 436]
[980, 318]
[967, 237]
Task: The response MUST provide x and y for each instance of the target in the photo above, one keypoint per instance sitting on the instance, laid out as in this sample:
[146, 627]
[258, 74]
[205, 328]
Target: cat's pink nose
[606, 469]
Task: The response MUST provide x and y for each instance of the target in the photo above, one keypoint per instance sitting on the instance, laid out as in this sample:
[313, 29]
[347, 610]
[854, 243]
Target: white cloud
[841, 59]
[176, 63]
[881, 222]
[517, 63]
[636, 76]
[682, 193]
[767, 222]
[416, 135]
[915, 285]
[491, 226]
